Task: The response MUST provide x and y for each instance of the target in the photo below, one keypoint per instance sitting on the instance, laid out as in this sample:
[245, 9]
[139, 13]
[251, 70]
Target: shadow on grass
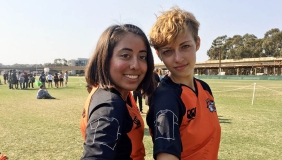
[223, 120]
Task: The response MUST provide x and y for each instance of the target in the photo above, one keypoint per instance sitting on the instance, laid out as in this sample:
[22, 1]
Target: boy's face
[179, 56]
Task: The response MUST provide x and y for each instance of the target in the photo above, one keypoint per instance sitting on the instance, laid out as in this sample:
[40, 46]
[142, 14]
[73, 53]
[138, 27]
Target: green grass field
[32, 129]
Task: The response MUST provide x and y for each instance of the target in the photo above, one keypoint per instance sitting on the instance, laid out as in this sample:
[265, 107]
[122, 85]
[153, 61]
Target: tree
[60, 62]
[247, 46]
[64, 62]
[277, 40]
[272, 42]
[249, 41]
[258, 48]
[216, 51]
[269, 33]
[47, 64]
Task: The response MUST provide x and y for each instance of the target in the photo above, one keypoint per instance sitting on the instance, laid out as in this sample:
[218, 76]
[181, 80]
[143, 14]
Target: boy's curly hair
[171, 23]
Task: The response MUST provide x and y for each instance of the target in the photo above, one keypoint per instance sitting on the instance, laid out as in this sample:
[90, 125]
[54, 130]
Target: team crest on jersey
[210, 105]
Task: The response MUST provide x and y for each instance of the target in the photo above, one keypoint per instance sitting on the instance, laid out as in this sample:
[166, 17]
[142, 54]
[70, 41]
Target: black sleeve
[104, 129]
[164, 118]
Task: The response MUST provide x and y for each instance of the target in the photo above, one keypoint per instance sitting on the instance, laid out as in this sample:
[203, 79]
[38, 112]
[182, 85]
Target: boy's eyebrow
[185, 42]
[168, 47]
[164, 48]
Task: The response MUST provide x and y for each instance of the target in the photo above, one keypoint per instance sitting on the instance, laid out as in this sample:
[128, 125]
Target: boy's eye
[167, 52]
[185, 46]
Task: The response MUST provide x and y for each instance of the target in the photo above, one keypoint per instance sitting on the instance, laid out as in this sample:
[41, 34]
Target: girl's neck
[123, 93]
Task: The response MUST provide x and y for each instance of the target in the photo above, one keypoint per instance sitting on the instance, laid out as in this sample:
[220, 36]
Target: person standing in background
[42, 79]
[50, 80]
[61, 79]
[156, 81]
[14, 80]
[66, 76]
[10, 79]
[31, 80]
[56, 80]
[21, 79]
[156, 76]
[138, 95]
[5, 77]
[25, 84]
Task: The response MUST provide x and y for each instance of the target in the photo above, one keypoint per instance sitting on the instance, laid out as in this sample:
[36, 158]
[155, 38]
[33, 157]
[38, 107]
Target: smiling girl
[111, 124]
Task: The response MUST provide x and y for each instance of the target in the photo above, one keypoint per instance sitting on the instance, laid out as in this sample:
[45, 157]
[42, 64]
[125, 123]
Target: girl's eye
[143, 57]
[124, 55]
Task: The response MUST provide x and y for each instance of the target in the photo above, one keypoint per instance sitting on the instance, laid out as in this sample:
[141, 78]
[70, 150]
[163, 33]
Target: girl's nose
[134, 63]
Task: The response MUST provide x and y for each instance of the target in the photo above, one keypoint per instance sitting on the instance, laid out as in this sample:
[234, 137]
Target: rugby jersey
[184, 122]
[112, 128]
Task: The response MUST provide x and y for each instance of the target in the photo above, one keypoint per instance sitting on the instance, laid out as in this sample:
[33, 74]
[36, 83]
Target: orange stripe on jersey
[200, 129]
[137, 132]
[84, 117]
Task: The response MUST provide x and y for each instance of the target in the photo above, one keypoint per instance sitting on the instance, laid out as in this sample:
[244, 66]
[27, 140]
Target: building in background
[77, 62]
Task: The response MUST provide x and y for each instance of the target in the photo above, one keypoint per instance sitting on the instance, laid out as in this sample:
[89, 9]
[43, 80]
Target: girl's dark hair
[97, 69]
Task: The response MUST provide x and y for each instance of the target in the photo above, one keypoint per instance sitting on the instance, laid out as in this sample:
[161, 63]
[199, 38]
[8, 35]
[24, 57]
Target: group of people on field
[60, 79]
[182, 116]
[19, 79]
[23, 80]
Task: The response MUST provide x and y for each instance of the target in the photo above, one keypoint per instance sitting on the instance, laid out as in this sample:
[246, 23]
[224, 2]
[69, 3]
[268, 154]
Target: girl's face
[180, 57]
[128, 65]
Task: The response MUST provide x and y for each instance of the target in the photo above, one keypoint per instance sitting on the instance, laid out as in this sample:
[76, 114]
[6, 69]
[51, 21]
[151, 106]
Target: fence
[240, 77]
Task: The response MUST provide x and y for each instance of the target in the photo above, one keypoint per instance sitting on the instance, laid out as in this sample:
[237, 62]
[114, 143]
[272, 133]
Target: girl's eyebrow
[143, 51]
[126, 49]
[129, 49]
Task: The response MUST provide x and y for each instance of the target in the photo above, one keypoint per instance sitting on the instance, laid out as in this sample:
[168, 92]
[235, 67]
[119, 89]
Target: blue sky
[39, 31]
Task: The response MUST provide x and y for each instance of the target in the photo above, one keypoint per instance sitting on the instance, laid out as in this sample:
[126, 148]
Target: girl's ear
[198, 43]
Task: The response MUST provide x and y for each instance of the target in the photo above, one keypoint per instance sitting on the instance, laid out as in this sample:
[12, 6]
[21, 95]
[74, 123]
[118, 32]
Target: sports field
[32, 129]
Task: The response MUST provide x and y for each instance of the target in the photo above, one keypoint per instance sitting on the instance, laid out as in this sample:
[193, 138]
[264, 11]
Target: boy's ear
[198, 43]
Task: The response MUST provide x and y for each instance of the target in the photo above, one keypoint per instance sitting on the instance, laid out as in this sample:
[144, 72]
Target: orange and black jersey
[184, 122]
[111, 127]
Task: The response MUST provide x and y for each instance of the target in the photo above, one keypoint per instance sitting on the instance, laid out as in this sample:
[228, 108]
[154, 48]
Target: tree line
[247, 46]
[223, 47]
[57, 62]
